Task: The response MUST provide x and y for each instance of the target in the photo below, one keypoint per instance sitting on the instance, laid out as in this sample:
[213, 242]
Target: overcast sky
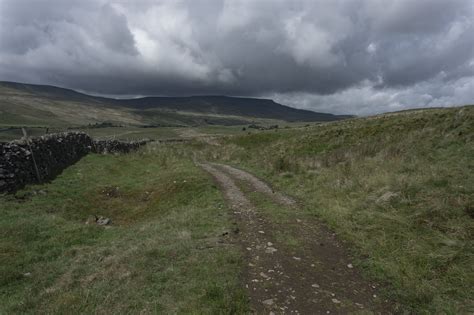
[339, 56]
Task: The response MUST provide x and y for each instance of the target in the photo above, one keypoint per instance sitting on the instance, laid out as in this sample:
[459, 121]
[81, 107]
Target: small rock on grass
[100, 220]
[91, 219]
[103, 221]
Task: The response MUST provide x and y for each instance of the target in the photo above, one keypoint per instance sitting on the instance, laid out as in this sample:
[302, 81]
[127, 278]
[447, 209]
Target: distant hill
[48, 91]
[40, 105]
[49, 105]
[225, 105]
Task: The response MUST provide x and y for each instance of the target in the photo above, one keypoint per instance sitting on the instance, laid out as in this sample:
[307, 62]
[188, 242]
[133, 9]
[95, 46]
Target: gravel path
[257, 184]
[316, 277]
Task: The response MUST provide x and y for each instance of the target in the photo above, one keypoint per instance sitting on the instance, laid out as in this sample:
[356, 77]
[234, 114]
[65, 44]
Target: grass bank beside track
[163, 252]
[398, 187]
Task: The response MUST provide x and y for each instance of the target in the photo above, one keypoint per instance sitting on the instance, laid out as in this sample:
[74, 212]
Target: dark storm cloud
[358, 56]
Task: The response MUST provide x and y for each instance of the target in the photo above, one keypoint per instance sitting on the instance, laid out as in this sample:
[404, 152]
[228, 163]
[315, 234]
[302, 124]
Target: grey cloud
[365, 99]
[114, 32]
[414, 17]
[309, 53]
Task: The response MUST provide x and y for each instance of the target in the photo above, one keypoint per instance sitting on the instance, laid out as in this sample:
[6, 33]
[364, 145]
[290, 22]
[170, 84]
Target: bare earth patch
[314, 278]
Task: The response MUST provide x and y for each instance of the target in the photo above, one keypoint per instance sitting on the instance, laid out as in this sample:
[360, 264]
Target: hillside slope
[27, 104]
[225, 105]
[399, 187]
[35, 105]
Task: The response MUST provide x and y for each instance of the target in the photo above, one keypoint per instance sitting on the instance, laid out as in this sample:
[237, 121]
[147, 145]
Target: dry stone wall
[52, 154]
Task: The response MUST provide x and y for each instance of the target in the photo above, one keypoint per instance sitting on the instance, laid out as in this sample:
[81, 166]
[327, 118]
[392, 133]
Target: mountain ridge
[148, 108]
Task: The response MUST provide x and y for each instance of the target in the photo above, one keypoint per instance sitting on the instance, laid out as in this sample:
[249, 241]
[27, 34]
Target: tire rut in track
[257, 184]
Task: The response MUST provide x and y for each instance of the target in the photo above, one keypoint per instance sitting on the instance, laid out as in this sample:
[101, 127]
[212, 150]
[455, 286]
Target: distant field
[162, 133]
[131, 133]
[13, 134]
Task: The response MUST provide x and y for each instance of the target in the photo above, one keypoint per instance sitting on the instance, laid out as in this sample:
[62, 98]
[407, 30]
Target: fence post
[38, 176]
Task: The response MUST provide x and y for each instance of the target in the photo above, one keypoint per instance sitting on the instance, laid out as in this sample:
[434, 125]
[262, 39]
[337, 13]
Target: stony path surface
[314, 278]
[257, 184]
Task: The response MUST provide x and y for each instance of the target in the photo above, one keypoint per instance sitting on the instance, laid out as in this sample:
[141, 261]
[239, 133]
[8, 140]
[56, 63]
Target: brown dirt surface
[257, 184]
[314, 278]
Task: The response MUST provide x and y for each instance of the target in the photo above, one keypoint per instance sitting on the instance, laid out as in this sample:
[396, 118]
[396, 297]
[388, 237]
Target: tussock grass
[163, 252]
[399, 187]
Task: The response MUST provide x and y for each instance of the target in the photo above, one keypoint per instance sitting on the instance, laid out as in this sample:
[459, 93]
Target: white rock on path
[268, 302]
[270, 250]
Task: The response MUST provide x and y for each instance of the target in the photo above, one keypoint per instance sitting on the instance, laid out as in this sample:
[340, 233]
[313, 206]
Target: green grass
[162, 253]
[129, 133]
[398, 187]
[221, 130]
[13, 134]
[126, 133]
[132, 133]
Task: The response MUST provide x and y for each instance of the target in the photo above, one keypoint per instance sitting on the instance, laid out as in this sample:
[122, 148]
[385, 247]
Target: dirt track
[314, 278]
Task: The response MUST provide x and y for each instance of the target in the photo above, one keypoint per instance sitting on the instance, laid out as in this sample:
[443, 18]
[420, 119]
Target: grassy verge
[132, 133]
[163, 252]
[399, 187]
